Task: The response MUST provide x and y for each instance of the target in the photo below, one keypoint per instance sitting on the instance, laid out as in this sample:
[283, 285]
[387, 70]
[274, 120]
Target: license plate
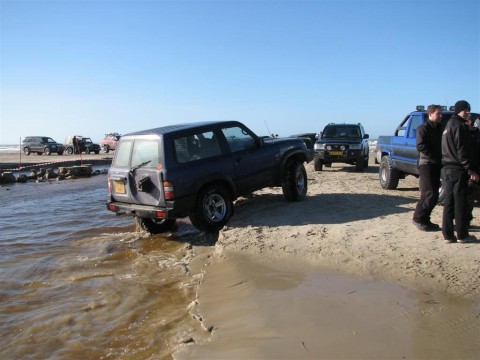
[336, 153]
[119, 187]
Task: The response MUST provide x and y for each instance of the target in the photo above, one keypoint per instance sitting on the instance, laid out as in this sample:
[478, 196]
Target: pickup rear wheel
[154, 226]
[213, 209]
[295, 184]
[389, 176]
[318, 164]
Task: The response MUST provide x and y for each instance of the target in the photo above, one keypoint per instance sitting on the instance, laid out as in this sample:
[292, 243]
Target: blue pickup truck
[397, 154]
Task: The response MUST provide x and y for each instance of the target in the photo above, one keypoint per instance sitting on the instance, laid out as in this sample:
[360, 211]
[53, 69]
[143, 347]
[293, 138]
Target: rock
[50, 174]
[22, 178]
[7, 178]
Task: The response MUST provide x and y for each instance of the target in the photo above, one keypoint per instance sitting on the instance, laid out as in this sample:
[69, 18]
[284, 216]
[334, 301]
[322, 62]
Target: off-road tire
[389, 176]
[87, 151]
[295, 182]
[213, 209]
[154, 226]
[26, 151]
[69, 150]
[318, 164]
[97, 152]
[47, 151]
[60, 153]
[359, 165]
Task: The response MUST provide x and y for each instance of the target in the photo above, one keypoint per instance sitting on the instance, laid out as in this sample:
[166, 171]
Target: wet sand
[344, 274]
[12, 160]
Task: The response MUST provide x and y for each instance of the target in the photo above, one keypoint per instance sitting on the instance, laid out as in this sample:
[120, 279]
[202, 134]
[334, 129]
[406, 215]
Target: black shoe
[425, 227]
[468, 239]
[435, 226]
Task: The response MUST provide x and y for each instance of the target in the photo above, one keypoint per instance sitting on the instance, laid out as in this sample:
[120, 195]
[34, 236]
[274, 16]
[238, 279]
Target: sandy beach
[344, 274]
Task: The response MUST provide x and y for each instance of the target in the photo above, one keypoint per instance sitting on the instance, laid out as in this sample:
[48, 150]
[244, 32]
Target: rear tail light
[161, 214]
[112, 207]
[168, 190]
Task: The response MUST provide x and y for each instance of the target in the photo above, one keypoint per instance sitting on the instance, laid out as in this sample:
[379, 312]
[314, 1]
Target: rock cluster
[63, 173]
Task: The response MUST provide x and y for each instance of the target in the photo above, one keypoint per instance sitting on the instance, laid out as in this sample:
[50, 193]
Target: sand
[344, 274]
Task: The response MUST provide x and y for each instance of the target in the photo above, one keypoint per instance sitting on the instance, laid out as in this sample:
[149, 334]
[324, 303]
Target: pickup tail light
[168, 190]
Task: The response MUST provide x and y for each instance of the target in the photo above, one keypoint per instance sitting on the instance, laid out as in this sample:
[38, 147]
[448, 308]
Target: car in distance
[342, 143]
[76, 144]
[308, 138]
[198, 170]
[110, 142]
[41, 145]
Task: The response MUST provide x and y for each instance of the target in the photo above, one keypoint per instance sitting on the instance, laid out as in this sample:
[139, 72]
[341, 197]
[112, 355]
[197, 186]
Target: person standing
[429, 146]
[457, 169]
[474, 133]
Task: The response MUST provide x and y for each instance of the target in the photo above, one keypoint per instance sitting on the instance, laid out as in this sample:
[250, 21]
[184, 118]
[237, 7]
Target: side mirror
[365, 136]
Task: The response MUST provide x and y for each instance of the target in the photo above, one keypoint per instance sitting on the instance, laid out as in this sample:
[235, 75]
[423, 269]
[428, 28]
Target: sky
[285, 67]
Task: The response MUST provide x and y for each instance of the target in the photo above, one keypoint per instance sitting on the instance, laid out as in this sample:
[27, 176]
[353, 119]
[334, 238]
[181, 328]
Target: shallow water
[76, 281]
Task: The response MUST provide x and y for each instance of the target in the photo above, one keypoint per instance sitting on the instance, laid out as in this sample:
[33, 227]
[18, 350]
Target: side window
[238, 139]
[145, 153]
[122, 154]
[415, 121]
[195, 147]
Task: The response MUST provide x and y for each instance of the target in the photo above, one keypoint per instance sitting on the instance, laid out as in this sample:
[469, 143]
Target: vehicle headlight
[342, 147]
[355, 146]
[319, 146]
[328, 147]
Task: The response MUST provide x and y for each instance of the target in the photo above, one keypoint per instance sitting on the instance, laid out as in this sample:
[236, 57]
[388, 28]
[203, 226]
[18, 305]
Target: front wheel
[154, 226]
[69, 150]
[87, 151]
[295, 184]
[213, 209]
[47, 151]
[26, 151]
[389, 176]
[318, 164]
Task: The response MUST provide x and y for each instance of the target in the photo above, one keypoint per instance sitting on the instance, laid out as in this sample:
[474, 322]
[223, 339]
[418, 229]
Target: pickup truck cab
[397, 154]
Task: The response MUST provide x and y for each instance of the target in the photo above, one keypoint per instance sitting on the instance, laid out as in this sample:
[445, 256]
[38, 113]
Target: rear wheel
[295, 184]
[318, 164]
[154, 226]
[389, 176]
[213, 209]
[69, 150]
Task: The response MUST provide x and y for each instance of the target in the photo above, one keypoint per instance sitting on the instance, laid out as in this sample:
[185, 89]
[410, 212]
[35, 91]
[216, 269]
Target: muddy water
[78, 282]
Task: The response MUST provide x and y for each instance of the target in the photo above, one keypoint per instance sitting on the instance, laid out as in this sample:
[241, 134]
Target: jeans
[455, 205]
[429, 184]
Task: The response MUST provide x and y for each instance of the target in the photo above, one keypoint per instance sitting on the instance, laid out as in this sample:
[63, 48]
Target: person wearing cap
[457, 168]
[429, 147]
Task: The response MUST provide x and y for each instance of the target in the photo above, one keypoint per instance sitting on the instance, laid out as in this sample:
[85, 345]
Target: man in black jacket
[429, 146]
[457, 169]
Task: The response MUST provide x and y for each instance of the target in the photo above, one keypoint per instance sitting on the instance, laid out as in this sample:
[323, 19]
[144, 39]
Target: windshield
[49, 140]
[339, 132]
[87, 140]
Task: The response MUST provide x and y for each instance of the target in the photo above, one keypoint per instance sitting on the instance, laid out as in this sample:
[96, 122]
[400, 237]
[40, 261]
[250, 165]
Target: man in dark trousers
[429, 146]
[457, 169]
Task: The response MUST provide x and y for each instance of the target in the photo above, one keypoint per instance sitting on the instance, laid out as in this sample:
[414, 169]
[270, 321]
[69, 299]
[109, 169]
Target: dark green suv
[342, 143]
[42, 145]
[198, 170]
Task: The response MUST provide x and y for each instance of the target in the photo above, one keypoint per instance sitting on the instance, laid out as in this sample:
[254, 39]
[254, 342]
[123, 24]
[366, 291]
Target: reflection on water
[78, 282]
